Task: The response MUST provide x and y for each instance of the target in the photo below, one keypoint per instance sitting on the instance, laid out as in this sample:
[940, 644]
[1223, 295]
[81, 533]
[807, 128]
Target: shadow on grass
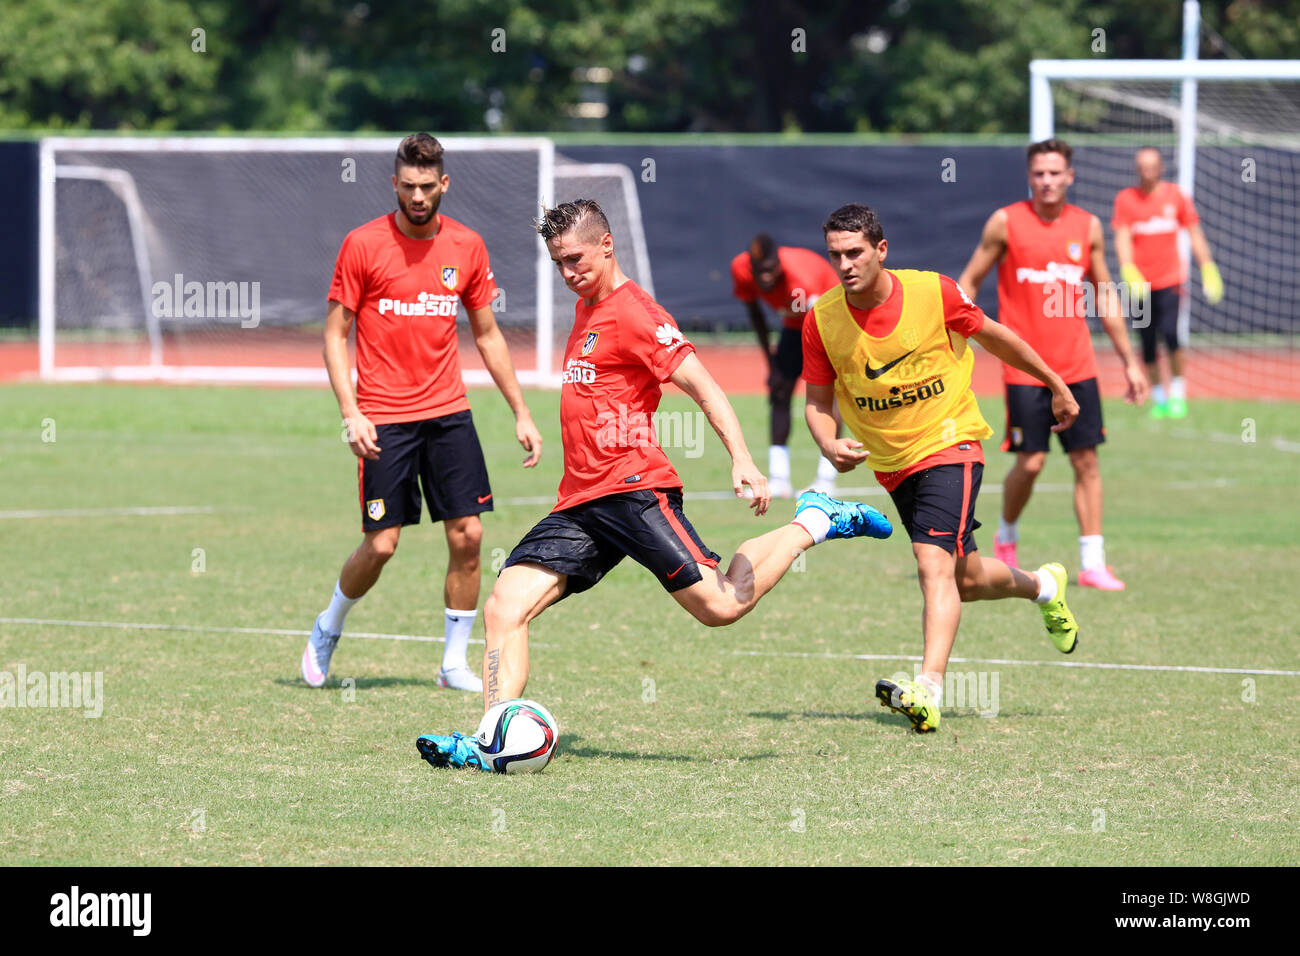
[568, 748]
[359, 683]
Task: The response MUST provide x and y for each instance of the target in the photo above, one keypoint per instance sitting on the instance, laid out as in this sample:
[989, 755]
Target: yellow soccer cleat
[912, 701]
[1060, 623]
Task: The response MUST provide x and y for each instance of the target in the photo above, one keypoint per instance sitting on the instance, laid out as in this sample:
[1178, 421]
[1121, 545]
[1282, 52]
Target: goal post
[209, 258]
[1229, 132]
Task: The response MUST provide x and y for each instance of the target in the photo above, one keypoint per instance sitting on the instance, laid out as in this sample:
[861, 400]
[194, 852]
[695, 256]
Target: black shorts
[789, 356]
[1030, 420]
[588, 540]
[442, 454]
[1163, 322]
[937, 506]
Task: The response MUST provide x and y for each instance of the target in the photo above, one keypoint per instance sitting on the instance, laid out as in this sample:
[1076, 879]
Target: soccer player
[1146, 221]
[401, 279]
[789, 280]
[1045, 250]
[891, 345]
[619, 496]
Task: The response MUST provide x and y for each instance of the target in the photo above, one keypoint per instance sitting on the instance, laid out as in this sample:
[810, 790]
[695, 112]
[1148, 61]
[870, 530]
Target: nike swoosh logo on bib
[877, 372]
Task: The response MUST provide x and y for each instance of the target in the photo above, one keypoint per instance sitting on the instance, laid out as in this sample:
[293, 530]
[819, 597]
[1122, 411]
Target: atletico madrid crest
[450, 277]
[590, 344]
[375, 509]
[1076, 250]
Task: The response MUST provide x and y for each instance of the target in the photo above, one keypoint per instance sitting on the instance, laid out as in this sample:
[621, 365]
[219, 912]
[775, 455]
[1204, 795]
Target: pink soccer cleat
[1100, 578]
[1005, 551]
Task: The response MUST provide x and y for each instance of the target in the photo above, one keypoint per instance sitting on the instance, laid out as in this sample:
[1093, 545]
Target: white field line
[203, 628]
[1229, 438]
[1098, 665]
[147, 512]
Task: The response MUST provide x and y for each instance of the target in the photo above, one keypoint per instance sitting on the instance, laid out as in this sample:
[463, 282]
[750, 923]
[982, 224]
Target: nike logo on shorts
[483, 498]
[936, 534]
[674, 573]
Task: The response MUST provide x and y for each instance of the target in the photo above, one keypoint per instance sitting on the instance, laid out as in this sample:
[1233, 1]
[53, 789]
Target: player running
[789, 280]
[892, 346]
[620, 496]
[1045, 250]
[401, 278]
[1146, 221]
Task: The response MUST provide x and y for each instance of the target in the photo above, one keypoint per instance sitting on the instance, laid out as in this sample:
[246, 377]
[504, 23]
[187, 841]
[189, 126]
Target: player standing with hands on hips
[891, 345]
[401, 279]
[1045, 250]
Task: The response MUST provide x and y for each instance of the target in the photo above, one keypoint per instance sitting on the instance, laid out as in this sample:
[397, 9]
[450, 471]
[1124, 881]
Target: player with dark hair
[1147, 220]
[401, 279]
[891, 345]
[1046, 250]
[789, 280]
[620, 496]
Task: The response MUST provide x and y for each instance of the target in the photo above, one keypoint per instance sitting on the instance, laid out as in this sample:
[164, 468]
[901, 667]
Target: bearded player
[1147, 220]
[1046, 250]
[401, 279]
[891, 345]
[788, 280]
[620, 496]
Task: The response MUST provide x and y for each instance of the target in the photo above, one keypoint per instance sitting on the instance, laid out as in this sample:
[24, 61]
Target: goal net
[210, 259]
[1229, 134]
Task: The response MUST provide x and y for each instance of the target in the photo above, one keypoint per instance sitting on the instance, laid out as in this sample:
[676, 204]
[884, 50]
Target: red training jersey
[1041, 290]
[1153, 221]
[619, 352]
[805, 276]
[406, 295]
[960, 315]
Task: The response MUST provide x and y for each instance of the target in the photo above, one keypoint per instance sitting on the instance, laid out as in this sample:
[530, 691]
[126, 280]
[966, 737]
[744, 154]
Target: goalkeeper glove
[1134, 279]
[1211, 283]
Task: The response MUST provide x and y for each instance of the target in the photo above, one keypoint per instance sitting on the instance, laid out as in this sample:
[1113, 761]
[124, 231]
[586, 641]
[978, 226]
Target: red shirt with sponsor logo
[406, 294]
[805, 276]
[1153, 221]
[619, 353]
[960, 315]
[1041, 293]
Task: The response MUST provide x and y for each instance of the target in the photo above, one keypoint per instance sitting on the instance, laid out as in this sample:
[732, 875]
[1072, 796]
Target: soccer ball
[517, 736]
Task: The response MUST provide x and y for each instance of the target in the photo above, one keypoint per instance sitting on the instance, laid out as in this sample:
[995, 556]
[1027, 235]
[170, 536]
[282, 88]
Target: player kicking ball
[892, 346]
[620, 496]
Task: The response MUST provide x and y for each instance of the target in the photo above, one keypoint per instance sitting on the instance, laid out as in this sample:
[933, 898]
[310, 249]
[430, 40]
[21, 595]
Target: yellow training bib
[907, 395]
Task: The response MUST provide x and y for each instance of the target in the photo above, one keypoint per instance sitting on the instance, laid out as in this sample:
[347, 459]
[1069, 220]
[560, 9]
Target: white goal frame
[124, 186]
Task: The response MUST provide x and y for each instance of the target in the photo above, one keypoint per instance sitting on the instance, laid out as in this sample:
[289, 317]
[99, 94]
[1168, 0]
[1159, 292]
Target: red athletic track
[1269, 374]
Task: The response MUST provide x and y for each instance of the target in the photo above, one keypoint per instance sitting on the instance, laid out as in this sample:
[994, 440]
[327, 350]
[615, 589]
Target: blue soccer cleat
[849, 519]
[457, 750]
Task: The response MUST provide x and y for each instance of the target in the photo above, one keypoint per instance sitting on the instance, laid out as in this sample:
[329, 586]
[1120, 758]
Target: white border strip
[1097, 665]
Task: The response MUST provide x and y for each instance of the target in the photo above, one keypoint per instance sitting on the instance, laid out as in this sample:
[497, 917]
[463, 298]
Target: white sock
[1178, 387]
[1158, 394]
[816, 522]
[1046, 586]
[778, 463]
[1092, 552]
[1008, 531]
[457, 625]
[933, 688]
[340, 604]
[826, 472]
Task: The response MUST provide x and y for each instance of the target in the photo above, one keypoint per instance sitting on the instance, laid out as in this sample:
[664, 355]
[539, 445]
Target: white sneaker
[780, 487]
[460, 678]
[316, 656]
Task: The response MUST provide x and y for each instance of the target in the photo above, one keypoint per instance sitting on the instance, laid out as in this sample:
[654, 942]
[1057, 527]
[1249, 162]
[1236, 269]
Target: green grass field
[755, 744]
